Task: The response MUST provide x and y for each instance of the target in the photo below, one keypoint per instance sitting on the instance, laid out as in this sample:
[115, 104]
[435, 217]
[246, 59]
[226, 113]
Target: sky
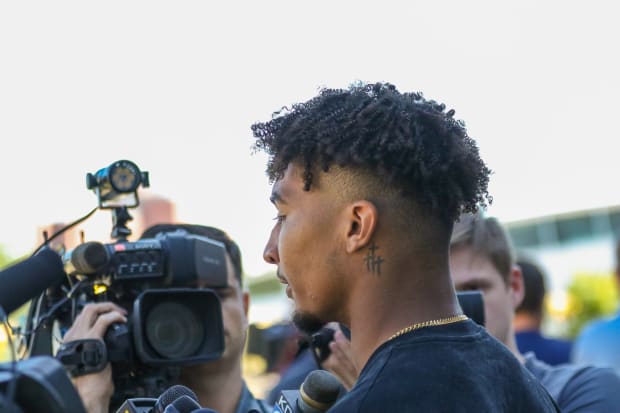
[175, 87]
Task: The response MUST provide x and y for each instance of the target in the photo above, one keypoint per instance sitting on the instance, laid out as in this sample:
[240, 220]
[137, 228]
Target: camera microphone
[317, 393]
[87, 258]
[27, 279]
[161, 404]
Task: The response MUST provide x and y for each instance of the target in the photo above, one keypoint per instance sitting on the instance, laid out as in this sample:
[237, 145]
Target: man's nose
[270, 253]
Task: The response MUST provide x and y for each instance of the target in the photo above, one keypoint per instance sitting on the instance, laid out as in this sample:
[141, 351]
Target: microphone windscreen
[89, 257]
[171, 394]
[29, 278]
[184, 404]
[320, 389]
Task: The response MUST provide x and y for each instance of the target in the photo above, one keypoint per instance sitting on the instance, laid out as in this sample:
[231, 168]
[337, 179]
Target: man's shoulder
[578, 388]
[603, 326]
[250, 404]
[443, 371]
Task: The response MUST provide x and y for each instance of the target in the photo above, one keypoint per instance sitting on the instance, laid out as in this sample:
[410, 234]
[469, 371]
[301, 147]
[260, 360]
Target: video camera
[170, 321]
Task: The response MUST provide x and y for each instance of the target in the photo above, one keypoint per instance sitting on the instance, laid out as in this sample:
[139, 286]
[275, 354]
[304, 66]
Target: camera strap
[81, 357]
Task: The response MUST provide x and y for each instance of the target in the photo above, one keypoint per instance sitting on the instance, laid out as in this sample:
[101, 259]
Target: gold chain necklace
[438, 322]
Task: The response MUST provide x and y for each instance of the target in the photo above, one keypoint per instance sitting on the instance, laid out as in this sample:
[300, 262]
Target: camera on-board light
[117, 185]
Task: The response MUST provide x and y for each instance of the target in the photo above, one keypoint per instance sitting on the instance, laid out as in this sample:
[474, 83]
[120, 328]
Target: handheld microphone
[159, 405]
[171, 395]
[27, 279]
[184, 404]
[317, 393]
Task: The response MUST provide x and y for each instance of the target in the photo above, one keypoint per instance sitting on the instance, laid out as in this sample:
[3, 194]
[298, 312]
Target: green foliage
[590, 296]
[264, 284]
[5, 354]
[4, 258]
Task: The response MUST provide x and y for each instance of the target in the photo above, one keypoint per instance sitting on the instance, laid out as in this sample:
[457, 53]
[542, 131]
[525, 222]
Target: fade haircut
[204, 231]
[487, 238]
[404, 142]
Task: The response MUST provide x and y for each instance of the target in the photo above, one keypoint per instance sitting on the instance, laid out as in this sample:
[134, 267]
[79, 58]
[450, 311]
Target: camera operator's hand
[340, 362]
[95, 389]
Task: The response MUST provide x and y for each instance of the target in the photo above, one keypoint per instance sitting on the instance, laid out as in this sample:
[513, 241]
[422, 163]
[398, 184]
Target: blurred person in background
[482, 258]
[598, 343]
[529, 317]
[219, 383]
[336, 359]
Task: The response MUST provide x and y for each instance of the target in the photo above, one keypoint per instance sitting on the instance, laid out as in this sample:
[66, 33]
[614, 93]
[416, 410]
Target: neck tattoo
[373, 260]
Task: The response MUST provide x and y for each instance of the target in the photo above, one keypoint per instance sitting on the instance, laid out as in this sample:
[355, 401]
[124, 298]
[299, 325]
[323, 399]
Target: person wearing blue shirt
[529, 317]
[598, 343]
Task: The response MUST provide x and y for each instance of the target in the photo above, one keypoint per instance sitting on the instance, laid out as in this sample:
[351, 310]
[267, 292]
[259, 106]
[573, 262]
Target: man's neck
[526, 322]
[511, 343]
[219, 389]
[395, 307]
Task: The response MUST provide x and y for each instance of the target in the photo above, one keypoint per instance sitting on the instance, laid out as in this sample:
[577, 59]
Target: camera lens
[174, 331]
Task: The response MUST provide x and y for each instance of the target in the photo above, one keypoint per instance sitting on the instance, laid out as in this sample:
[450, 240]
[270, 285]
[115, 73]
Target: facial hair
[307, 323]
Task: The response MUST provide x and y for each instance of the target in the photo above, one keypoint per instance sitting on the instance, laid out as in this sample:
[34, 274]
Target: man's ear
[362, 216]
[246, 302]
[516, 285]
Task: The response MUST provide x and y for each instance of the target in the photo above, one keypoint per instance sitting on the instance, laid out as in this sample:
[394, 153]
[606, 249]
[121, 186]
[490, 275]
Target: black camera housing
[180, 326]
[174, 316]
[38, 384]
[151, 279]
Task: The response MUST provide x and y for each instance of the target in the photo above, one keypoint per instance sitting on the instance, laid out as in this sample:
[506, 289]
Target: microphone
[184, 404]
[317, 393]
[87, 258]
[27, 279]
[171, 395]
[159, 405]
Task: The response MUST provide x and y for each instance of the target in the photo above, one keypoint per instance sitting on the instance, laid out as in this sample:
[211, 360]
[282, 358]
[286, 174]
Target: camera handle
[81, 357]
[120, 217]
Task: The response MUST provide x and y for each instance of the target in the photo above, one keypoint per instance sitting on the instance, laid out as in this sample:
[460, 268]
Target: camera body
[174, 316]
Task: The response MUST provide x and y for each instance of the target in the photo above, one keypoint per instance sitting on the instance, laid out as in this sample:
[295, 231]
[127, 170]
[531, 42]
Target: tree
[5, 259]
[590, 296]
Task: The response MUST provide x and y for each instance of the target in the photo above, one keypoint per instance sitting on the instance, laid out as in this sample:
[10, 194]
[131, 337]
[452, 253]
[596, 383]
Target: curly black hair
[405, 140]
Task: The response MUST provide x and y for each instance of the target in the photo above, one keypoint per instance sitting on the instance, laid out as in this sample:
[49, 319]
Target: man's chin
[307, 323]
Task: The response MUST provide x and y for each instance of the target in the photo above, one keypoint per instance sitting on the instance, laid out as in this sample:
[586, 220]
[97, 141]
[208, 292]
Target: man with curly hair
[367, 183]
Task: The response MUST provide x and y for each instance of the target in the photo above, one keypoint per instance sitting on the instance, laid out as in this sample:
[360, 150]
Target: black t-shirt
[452, 368]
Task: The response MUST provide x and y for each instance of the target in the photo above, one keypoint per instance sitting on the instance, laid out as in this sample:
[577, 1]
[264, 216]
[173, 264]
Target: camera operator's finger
[83, 328]
[106, 320]
[92, 311]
